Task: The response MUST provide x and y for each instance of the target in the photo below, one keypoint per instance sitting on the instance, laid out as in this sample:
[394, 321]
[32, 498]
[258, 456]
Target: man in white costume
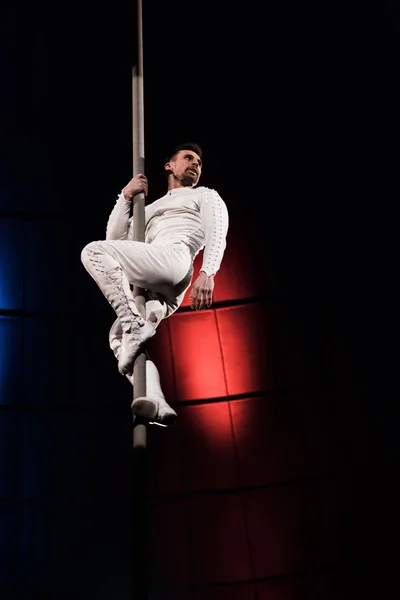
[178, 226]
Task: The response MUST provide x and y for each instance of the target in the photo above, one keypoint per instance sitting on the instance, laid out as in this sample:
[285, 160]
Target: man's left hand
[202, 291]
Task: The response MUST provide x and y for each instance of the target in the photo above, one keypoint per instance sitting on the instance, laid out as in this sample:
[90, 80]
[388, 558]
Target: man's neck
[174, 185]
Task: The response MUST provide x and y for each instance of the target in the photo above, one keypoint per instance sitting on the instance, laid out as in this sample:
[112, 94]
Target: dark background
[296, 108]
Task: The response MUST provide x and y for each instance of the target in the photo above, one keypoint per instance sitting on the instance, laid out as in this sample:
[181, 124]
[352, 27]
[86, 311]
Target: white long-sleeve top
[196, 216]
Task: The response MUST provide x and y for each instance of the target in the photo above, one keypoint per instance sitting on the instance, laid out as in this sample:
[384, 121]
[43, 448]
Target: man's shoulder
[209, 194]
[206, 190]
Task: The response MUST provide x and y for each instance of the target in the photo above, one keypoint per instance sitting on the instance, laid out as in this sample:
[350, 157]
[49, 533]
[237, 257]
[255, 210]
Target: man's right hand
[137, 185]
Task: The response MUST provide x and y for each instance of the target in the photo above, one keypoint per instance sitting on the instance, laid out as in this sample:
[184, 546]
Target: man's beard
[189, 179]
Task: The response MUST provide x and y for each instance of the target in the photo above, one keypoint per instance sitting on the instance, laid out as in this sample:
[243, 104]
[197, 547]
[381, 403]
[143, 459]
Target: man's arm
[119, 221]
[214, 214]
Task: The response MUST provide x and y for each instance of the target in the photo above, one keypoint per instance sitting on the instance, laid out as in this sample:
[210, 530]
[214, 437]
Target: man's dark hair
[185, 146]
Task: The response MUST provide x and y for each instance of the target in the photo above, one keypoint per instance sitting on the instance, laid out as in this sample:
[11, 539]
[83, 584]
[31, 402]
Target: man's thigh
[159, 268]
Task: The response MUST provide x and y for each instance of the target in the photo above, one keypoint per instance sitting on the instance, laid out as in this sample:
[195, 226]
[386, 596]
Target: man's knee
[88, 251]
[99, 258]
[93, 249]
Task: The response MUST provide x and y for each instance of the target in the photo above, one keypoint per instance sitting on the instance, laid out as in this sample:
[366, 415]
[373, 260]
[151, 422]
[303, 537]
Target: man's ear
[167, 167]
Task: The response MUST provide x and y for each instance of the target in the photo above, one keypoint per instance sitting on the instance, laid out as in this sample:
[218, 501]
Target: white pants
[164, 271]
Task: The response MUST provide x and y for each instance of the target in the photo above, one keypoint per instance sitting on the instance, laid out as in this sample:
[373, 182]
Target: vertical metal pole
[139, 370]
[139, 512]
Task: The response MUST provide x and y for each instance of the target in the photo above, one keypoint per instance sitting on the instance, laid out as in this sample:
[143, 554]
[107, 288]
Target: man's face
[186, 167]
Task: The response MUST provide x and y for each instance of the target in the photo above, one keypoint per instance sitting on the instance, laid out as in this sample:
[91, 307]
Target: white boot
[136, 331]
[112, 281]
[153, 407]
[130, 346]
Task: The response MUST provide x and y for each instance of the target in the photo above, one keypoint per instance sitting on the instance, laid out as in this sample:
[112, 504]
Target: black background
[296, 108]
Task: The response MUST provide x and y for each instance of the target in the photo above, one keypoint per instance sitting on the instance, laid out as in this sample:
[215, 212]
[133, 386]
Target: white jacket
[196, 216]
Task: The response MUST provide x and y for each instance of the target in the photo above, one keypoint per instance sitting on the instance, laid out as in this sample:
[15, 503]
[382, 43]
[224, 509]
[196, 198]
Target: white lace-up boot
[136, 331]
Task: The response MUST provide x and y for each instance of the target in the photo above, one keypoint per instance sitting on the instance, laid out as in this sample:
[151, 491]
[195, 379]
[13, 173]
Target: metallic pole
[139, 370]
[139, 483]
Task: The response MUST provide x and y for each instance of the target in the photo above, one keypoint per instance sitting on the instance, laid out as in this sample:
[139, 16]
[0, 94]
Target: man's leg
[152, 407]
[100, 263]
[114, 265]
[156, 310]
